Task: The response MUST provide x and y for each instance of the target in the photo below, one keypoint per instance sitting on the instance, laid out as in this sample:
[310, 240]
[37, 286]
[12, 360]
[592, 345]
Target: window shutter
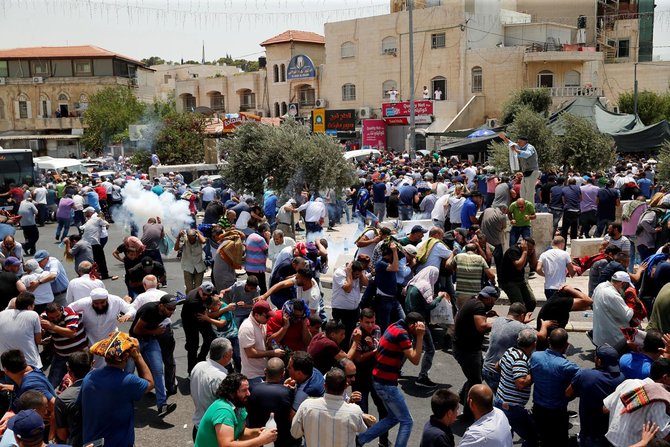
[48, 109]
[30, 110]
[17, 113]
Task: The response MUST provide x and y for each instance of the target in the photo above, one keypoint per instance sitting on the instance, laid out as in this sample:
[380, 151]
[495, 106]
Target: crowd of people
[269, 360]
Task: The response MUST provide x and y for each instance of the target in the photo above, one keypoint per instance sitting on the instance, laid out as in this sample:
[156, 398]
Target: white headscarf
[425, 281]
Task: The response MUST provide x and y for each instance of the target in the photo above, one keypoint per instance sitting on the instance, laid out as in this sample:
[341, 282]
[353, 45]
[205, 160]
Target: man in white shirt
[491, 428]
[92, 232]
[253, 350]
[20, 329]
[426, 93]
[40, 200]
[151, 292]
[315, 214]
[552, 264]
[207, 194]
[437, 94]
[206, 377]
[329, 421]
[278, 243]
[81, 287]
[348, 283]
[37, 281]
[610, 312]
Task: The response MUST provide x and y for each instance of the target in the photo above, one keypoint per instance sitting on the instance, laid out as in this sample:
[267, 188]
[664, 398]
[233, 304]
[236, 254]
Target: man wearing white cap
[37, 281]
[99, 312]
[610, 312]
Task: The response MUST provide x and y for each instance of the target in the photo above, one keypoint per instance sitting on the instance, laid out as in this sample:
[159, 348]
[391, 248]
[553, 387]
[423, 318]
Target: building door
[441, 84]
[64, 110]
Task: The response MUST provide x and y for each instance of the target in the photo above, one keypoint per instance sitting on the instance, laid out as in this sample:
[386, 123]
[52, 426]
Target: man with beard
[99, 312]
[224, 421]
[610, 312]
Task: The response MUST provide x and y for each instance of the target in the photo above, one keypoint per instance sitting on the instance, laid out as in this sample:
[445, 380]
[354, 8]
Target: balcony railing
[563, 92]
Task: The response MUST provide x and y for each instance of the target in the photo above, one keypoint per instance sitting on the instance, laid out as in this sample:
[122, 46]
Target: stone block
[542, 231]
[585, 247]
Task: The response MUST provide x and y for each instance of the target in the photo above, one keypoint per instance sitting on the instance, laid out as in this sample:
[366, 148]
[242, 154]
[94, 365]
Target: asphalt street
[175, 429]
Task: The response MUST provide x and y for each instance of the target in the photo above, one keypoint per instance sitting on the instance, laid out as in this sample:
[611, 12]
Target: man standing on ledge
[527, 163]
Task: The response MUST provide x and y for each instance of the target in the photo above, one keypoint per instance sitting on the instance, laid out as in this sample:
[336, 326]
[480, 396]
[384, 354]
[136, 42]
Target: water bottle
[588, 314]
[274, 345]
[271, 424]
[346, 246]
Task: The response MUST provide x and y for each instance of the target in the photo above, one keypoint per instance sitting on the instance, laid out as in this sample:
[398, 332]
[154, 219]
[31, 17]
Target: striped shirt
[513, 365]
[390, 353]
[65, 346]
[469, 267]
[256, 253]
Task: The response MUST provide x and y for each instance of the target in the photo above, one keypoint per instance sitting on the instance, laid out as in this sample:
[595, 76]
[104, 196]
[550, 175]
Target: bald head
[274, 369]
[480, 400]
[520, 202]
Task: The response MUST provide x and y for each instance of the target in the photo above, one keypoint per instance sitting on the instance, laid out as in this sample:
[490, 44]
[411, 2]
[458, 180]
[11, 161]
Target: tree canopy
[651, 106]
[181, 139]
[107, 117]
[538, 100]
[290, 154]
[663, 167]
[583, 146]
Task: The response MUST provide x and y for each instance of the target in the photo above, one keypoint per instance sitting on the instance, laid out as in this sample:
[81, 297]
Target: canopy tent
[469, 145]
[644, 139]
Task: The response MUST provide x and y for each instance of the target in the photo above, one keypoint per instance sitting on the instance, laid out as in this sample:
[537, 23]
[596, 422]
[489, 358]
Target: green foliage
[180, 141]
[141, 159]
[538, 100]
[663, 167]
[499, 156]
[159, 109]
[583, 147]
[651, 106]
[153, 60]
[289, 153]
[107, 117]
[243, 64]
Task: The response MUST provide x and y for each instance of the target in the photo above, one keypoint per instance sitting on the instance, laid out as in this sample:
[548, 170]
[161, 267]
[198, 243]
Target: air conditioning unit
[491, 122]
[38, 80]
[364, 112]
[390, 50]
[2, 81]
[321, 104]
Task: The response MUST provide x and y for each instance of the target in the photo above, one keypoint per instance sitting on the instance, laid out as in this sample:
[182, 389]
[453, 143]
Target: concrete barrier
[542, 231]
[585, 247]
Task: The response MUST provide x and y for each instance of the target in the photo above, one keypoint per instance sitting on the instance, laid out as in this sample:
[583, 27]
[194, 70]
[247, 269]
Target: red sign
[402, 108]
[374, 133]
[230, 124]
[404, 120]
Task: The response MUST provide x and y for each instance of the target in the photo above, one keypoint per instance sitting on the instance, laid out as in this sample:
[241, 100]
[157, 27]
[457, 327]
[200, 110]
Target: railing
[562, 92]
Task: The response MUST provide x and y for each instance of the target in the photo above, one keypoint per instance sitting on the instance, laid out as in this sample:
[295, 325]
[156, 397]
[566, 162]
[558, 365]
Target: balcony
[568, 92]
[48, 124]
[543, 53]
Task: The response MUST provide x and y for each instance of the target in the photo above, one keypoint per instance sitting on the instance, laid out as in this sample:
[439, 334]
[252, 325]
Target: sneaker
[166, 409]
[425, 381]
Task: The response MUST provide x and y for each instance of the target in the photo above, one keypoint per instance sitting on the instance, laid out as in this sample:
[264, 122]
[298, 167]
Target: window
[166, 78]
[545, 78]
[39, 68]
[347, 50]
[387, 86]
[247, 100]
[477, 80]
[439, 84]
[282, 73]
[83, 67]
[389, 45]
[284, 109]
[623, 48]
[572, 79]
[348, 92]
[188, 101]
[4, 70]
[2, 110]
[45, 106]
[306, 96]
[216, 102]
[275, 73]
[276, 109]
[23, 106]
[437, 40]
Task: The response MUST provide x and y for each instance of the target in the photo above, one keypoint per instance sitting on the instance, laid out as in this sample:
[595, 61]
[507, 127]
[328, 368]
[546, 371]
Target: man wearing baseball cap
[197, 302]
[414, 237]
[610, 312]
[52, 265]
[28, 428]
[252, 336]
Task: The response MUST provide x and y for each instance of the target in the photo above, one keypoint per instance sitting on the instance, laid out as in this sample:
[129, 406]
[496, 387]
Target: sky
[176, 29]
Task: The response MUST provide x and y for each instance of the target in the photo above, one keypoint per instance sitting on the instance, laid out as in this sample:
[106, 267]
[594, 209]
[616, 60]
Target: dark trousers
[570, 224]
[32, 235]
[471, 365]
[552, 426]
[364, 385]
[645, 252]
[167, 344]
[498, 256]
[556, 214]
[78, 219]
[587, 219]
[521, 422]
[42, 213]
[349, 318]
[100, 260]
[192, 331]
[262, 283]
[601, 226]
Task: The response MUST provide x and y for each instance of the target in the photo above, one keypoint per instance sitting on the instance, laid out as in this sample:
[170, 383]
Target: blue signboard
[300, 67]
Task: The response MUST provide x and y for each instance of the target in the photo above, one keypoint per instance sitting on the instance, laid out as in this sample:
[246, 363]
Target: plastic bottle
[274, 345]
[271, 424]
[588, 314]
[346, 246]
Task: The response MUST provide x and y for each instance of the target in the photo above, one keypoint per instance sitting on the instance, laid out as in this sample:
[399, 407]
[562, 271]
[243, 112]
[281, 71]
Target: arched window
[545, 78]
[387, 86]
[277, 111]
[275, 73]
[22, 107]
[2, 109]
[347, 49]
[188, 102]
[44, 109]
[216, 101]
[477, 80]
[306, 95]
[439, 85]
[284, 108]
[282, 73]
[389, 45]
[63, 97]
[572, 79]
[348, 92]
[247, 100]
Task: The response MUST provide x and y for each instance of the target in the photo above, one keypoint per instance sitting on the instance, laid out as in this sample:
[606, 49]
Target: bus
[16, 166]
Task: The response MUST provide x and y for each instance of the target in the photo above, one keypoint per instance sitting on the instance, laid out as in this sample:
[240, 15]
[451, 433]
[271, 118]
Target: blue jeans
[521, 421]
[406, 212]
[387, 310]
[331, 208]
[548, 293]
[151, 353]
[633, 254]
[342, 205]
[63, 226]
[428, 354]
[398, 413]
[57, 370]
[518, 232]
[491, 378]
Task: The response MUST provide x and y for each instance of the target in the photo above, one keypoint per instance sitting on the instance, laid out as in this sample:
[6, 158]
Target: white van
[58, 164]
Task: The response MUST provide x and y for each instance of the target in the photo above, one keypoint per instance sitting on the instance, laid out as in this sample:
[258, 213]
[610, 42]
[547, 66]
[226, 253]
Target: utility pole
[412, 129]
[635, 90]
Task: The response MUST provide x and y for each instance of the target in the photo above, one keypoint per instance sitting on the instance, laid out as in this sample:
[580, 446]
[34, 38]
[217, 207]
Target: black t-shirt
[556, 308]
[193, 305]
[137, 273]
[213, 212]
[151, 316]
[392, 206]
[7, 288]
[466, 336]
[509, 273]
[274, 398]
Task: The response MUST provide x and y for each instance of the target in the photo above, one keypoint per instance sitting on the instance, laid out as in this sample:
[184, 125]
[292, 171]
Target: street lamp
[412, 129]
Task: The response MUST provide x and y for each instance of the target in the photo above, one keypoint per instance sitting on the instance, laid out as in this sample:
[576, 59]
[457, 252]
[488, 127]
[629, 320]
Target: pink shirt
[628, 227]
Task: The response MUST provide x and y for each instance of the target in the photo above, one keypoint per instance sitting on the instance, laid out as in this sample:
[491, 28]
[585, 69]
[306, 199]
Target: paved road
[175, 430]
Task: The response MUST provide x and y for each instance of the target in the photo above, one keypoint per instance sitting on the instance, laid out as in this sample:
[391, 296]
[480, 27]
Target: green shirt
[660, 313]
[521, 216]
[220, 412]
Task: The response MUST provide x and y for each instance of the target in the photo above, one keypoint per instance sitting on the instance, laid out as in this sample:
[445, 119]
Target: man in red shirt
[289, 327]
[101, 191]
[325, 346]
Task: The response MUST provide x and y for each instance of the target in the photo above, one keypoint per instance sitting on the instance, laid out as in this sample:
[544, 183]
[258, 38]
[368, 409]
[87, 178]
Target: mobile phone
[97, 443]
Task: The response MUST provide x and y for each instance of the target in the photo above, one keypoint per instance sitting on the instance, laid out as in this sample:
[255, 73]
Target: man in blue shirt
[556, 202]
[645, 186]
[379, 196]
[385, 304]
[270, 209]
[552, 374]
[470, 208]
[409, 195]
[637, 365]
[437, 431]
[572, 196]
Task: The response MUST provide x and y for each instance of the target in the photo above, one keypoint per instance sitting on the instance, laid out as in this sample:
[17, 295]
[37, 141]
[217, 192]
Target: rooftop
[62, 52]
[295, 36]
